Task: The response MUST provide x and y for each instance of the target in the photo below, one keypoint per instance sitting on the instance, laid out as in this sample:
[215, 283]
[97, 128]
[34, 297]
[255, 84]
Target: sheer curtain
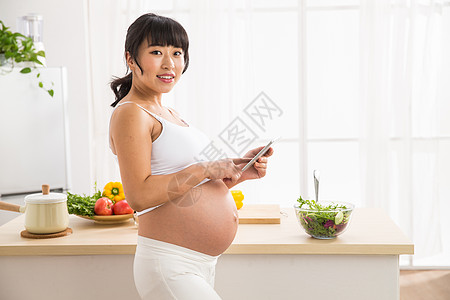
[108, 22]
[400, 66]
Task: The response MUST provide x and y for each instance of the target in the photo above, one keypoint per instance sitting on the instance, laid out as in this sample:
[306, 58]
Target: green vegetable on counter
[82, 205]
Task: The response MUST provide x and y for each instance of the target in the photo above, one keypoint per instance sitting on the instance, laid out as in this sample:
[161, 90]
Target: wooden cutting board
[259, 214]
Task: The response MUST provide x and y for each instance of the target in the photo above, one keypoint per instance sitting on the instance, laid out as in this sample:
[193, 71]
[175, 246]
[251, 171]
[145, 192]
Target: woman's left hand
[259, 168]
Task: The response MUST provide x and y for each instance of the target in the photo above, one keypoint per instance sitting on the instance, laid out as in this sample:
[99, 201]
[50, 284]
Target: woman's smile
[167, 78]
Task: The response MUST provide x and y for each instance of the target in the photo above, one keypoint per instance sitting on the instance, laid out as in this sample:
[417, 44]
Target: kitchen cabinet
[265, 261]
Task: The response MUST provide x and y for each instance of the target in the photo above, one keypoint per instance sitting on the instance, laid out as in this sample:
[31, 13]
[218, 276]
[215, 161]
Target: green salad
[323, 221]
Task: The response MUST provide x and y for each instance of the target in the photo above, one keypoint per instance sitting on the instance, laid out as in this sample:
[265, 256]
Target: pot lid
[45, 197]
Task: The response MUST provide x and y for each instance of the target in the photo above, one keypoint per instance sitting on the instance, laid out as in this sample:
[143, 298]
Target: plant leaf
[9, 54]
[25, 70]
[51, 92]
[41, 85]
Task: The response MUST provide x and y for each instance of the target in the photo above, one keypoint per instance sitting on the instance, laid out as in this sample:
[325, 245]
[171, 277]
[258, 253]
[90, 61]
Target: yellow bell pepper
[239, 204]
[237, 195]
[238, 198]
[114, 191]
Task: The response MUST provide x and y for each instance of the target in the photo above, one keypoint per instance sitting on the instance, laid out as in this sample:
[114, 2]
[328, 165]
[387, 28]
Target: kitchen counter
[371, 231]
[279, 254]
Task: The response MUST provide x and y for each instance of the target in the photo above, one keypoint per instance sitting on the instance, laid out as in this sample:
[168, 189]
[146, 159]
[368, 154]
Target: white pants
[166, 271]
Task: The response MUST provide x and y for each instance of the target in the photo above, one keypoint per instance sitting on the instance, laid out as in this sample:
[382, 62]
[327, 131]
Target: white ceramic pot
[44, 212]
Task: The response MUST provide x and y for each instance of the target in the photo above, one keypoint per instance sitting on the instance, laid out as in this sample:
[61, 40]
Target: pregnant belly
[204, 220]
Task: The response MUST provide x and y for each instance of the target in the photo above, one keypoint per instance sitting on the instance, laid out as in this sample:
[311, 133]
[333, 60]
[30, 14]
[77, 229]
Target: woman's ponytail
[121, 87]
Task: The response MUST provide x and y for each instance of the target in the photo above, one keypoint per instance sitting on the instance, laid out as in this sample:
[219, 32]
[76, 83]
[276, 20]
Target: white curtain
[400, 66]
[107, 25]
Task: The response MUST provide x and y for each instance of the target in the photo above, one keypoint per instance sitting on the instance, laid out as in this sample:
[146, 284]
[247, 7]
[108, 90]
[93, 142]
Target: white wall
[65, 44]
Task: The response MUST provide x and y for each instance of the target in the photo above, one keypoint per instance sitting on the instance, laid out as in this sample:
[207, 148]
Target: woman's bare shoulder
[126, 108]
[129, 115]
[131, 127]
[130, 109]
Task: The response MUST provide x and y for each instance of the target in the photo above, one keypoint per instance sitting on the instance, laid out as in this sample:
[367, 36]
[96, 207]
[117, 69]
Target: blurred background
[357, 89]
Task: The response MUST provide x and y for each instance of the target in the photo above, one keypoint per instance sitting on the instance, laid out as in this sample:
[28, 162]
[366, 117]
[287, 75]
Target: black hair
[158, 30]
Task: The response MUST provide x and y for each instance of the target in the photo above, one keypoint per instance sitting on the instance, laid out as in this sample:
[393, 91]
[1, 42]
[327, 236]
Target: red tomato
[122, 208]
[104, 207]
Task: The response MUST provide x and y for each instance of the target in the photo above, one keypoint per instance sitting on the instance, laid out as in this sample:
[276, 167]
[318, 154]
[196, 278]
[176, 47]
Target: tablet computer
[260, 153]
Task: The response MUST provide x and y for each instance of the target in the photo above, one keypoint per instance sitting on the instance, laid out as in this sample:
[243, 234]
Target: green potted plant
[17, 48]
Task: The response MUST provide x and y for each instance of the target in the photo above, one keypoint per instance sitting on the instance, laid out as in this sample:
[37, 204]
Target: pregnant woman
[187, 216]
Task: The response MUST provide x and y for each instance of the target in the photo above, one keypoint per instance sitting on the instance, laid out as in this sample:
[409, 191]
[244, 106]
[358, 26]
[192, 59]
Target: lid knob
[45, 189]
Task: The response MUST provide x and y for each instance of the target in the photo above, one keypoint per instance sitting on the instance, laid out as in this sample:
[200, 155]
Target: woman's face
[162, 67]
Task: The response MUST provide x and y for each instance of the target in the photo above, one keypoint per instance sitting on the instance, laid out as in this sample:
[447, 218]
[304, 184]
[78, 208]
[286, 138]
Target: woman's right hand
[230, 168]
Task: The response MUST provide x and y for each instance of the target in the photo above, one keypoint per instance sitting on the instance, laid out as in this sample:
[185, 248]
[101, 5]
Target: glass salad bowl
[324, 219]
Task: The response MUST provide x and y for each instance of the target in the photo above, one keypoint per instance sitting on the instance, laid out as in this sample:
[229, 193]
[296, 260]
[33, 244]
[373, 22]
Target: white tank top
[176, 148]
